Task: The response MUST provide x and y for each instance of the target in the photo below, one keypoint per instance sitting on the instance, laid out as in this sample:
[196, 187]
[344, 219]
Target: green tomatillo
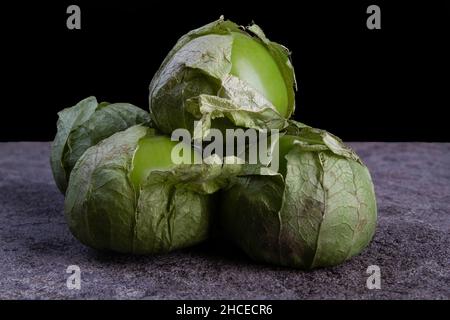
[319, 210]
[126, 194]
[222, 73]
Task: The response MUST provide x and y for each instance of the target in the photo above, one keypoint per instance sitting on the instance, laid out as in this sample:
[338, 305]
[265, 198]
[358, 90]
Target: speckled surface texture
[411, 245]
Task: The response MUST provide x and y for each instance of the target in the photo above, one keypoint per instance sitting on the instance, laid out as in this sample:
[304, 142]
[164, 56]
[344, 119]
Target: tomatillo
[319, 212]
[222, 73]
[170, 209]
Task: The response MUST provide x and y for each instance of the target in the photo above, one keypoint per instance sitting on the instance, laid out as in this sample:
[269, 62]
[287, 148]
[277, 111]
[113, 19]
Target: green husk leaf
[100, 200]
[68, 119]
[211, 107]
[310, 137]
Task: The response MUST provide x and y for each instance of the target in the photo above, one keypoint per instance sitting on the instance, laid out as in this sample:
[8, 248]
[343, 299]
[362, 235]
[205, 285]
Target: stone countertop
[411, 244]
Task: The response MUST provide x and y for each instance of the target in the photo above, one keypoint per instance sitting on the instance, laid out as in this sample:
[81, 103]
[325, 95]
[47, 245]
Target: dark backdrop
[390, 84]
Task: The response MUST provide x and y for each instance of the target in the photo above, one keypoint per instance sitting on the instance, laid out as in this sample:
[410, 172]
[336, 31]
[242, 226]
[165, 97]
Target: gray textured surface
[411, 245]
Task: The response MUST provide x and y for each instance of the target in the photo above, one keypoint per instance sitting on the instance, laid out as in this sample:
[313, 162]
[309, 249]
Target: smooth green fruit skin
[252, 63]
[154, 153]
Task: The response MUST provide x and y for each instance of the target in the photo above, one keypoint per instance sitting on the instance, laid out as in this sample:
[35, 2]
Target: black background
[377, 85]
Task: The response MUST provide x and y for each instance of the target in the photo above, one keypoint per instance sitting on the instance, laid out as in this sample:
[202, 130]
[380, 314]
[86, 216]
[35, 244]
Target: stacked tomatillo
[223, 76]
[130, 188]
